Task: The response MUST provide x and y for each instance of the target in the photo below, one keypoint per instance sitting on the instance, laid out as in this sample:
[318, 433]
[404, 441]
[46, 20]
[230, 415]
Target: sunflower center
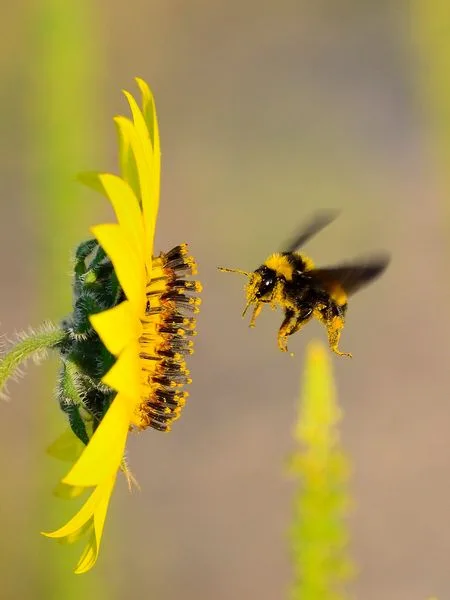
[168, 326]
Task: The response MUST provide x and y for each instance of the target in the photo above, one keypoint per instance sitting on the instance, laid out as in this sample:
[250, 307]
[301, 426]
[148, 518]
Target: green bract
[82, 396]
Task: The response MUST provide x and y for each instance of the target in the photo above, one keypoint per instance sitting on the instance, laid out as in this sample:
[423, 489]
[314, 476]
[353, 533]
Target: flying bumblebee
[290, 280]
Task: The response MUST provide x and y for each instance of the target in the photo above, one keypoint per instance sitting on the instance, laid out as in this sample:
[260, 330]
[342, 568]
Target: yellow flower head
[144, 325]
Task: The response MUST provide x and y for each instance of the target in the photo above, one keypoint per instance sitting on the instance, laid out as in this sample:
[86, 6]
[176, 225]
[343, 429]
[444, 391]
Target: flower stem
[30, 345]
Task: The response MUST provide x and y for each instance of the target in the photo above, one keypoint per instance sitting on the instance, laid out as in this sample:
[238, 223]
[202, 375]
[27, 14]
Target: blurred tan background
[268, 112]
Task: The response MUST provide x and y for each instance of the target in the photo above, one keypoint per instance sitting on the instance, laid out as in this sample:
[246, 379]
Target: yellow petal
[146, 123]
[91, 180]
[147, 182]
[141, 127]
[102, 507]
[151, 119]
[76, 526]
[68, 492]
[127, 210]
[90, 554]
[127, 161]
[129, 269]
[117, 326]
[142, 159]
[103, 455]
[149, 112]
[91, 517]
[74, 537]
[67, 447]
[125, 375]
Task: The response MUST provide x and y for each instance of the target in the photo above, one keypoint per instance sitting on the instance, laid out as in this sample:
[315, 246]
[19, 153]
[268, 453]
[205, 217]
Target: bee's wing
[318, 222]
[350, 277]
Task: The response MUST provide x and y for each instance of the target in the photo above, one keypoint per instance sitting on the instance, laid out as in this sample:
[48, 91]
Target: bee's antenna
[250, 288]
[246, 308]
[226, 270]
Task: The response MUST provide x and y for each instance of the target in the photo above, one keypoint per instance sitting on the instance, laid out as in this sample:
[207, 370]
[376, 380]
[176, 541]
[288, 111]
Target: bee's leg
[256, 311]
[333, 318]
[304, 316]
[277, 296]
[287, 327]
[294, 319]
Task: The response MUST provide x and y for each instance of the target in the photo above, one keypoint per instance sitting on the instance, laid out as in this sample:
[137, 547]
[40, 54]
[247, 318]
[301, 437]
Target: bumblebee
[289, 280]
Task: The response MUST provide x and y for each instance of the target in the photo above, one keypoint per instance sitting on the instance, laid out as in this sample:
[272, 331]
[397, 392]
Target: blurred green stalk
[431, 38]
[430, 20]
[65, 57]
[319, 532]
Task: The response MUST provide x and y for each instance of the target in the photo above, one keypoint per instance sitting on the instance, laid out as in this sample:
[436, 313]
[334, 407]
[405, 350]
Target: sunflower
[126, 342]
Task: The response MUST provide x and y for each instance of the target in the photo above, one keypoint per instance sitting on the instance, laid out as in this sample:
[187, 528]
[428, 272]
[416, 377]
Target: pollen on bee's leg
[291, 323]
[282, 342]
[277, 296]
[168, 326]
[336, 350]
[256, 312]
[335, 326]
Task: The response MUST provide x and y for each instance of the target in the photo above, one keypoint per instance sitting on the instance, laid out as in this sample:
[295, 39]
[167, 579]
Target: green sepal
[82, 395]
[76, 422]
[70, 392]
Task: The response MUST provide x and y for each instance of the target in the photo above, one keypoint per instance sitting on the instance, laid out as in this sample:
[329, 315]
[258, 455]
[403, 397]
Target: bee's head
[260, 286]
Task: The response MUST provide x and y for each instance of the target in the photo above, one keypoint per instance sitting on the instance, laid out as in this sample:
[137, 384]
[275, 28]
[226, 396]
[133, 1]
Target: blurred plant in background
[319, 532]
[431, 36]
[63, 69]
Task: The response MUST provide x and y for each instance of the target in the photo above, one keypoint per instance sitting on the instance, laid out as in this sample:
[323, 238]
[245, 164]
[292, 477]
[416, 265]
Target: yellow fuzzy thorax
[282, 266]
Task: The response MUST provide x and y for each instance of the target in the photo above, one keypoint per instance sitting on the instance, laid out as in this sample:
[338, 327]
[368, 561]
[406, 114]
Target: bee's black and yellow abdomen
[300, 261]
